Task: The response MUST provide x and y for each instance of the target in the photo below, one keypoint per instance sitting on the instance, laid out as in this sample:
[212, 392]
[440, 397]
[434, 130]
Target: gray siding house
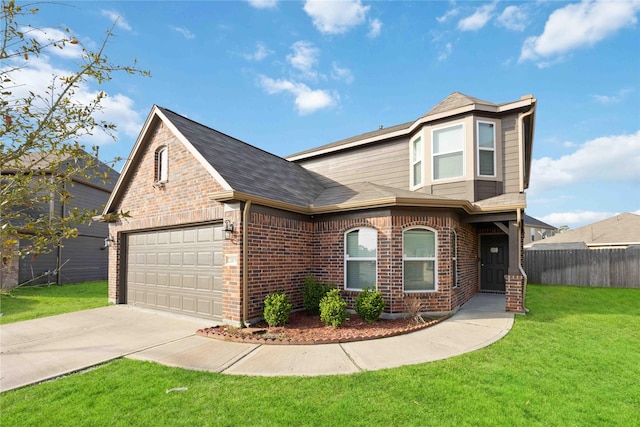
[78, 259]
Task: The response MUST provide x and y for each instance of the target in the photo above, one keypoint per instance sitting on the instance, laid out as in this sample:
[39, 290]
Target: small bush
[369, 305]
[312, 293]
[277, 309]
[333, 308]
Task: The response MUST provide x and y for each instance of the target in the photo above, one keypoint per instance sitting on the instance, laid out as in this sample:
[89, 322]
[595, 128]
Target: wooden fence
[614, 268]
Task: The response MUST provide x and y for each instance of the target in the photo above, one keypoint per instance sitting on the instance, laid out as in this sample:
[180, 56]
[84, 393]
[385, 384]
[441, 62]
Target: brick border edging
[216, 333]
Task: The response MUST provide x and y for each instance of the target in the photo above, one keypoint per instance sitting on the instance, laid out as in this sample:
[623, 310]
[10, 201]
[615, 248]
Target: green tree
[40, 133]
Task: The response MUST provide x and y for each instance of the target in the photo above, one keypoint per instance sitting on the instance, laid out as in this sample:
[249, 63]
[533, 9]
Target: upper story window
[419, 260]
[360, 254]
[448, 152]
[417, 156]
[162, 164]
[486, 149]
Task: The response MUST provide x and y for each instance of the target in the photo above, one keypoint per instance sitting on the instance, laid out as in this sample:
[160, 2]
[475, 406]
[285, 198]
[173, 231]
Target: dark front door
[494, 261]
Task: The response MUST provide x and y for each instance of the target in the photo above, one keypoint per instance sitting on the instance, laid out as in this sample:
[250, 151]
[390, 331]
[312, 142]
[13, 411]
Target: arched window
[419, 260]
[360, 258]
[162, 164]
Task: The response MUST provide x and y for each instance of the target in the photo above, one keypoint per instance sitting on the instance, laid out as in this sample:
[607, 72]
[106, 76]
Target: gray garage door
[177, 270]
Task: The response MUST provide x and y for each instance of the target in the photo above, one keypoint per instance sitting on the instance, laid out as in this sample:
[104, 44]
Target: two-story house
[432, 208]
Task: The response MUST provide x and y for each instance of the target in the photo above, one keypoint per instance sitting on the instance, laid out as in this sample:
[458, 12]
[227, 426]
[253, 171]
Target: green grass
[574, 360]
[39, 301]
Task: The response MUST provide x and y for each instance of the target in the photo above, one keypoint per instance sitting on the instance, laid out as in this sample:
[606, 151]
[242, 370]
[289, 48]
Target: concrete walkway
[37, 350]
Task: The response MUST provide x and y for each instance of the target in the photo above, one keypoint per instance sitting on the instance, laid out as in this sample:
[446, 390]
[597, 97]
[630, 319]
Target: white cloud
[304, 58]
[375, 26]
[260, 53]
[612, 99]
[513, 18]
[450, 14]
[186, 33]
[46, 36]
[117, 19]
[336, 17]
[307, 100]
[479, 19]
[446, 51]
[38, 74]
[338, 73]
[263, 4]
[610, 158]
[578, 25]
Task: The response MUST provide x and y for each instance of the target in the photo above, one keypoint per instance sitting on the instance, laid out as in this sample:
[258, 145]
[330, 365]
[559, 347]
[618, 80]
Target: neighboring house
[431, 208]
[535, 230]
[620, 231]
[78, 259]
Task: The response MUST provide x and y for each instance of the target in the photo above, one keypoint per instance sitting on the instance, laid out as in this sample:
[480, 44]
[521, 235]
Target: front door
[494, 262]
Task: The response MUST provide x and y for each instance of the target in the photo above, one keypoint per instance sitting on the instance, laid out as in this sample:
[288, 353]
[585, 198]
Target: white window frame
[419, 140]
[433, 258]
[347, 258]
[493, 124]
[162, 164]
[434, 154]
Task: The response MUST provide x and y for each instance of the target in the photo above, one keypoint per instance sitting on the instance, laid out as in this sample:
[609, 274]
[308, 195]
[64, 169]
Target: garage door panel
[178, 270]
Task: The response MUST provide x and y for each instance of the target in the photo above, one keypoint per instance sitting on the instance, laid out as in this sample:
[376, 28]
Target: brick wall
[183, 200]
[280, 257]
[328, 258]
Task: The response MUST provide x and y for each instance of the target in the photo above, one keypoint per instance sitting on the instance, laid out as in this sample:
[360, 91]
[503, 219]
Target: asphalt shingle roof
[623, 228]
[246, 168]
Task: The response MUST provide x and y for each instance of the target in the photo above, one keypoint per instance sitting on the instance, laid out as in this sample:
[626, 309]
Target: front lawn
[32, 302]
[572, 361]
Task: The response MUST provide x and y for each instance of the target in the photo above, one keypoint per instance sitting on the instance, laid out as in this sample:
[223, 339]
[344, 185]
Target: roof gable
[454, 101]
[236, 165]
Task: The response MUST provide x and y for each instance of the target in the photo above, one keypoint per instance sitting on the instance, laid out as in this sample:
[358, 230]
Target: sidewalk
[479, 323]
[37, 350]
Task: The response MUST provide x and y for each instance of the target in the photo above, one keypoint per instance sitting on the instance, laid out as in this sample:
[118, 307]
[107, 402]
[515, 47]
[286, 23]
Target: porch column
[514, 281]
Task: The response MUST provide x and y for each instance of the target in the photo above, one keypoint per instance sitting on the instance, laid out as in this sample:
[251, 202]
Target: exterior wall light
[228, 229]
[108, 241]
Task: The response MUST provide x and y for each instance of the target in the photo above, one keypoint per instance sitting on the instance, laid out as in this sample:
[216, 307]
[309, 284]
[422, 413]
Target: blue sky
[288, 76]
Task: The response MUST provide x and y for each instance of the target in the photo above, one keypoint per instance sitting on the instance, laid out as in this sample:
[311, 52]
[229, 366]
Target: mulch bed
[303, 328]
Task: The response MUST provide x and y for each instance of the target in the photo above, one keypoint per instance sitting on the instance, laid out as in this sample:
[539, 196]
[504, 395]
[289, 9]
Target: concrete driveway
[36, 350]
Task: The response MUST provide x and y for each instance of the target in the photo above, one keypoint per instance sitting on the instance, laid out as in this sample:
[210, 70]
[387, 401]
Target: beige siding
[384, 163]
[511, 154]
[455, 190]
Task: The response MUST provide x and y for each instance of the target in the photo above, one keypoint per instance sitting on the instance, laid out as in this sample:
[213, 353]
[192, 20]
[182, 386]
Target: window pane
[419, 244]
[417, 173]
[486, 163]
[361, 274]
[417, 149]
[485, 135]
[362, 243]
[447, 140]
[419, 275]
[447, 166]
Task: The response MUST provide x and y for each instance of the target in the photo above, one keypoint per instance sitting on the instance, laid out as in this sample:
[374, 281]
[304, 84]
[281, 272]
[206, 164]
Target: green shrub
[312, 293]
[277, 309]
[333, 308]
[369, 305]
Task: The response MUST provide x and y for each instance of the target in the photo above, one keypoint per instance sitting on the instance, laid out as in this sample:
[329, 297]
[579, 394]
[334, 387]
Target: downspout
[245, 261]
[521, 117]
